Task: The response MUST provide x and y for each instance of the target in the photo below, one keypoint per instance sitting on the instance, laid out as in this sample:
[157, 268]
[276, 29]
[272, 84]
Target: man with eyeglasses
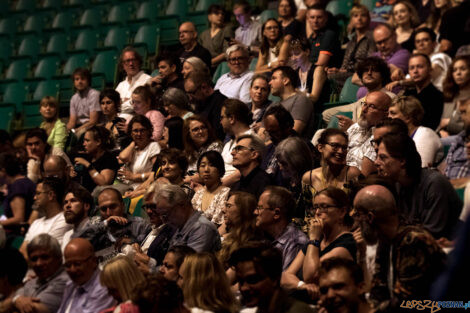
[48, 201]
[114, 228]
[417, 258]
[258, 270]
[236, 83]
[273, 216]
[131, 62]
[361, 154]
[247, 156]
[390, 51]
[84, 292]
[190, 45]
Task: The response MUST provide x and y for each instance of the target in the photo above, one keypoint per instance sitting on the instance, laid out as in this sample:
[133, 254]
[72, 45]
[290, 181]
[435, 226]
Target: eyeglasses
[323, 207]
[372, 106]
[336, 146]
[198, 129]
[383, 41]
[77, 263]
[236, 60]
[185, 32]
[239, 148]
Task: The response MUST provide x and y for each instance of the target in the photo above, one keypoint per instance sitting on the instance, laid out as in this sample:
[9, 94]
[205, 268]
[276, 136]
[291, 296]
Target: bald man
[83, 293]
[190, 46]
[361, 153]
[417, 258]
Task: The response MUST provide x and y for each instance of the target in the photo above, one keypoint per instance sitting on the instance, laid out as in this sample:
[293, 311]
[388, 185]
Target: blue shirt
[458, 165]
[90, 297]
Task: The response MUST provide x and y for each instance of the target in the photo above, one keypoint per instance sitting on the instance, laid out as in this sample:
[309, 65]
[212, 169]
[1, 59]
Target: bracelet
[300, 284]
[96, 174]
[143, 176]
[315, 243]
[90, 167]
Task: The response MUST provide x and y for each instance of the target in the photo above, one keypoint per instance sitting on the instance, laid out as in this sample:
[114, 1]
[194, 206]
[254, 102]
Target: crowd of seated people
[249, 191]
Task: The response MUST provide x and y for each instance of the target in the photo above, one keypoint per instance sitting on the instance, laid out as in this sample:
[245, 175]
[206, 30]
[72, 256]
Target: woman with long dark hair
[274, 49]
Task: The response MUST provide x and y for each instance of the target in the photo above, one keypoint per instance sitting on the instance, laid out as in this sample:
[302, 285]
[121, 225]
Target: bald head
[55, 166]
[80, 261]
[187, 35]
[385, 39]
[376, 199]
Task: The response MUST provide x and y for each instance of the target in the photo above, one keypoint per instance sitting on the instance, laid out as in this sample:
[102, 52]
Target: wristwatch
[315, 242]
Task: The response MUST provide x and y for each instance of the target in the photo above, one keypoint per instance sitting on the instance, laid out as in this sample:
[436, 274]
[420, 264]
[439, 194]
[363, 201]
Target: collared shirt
[250, 34]
[458, 165]
[83, 103]
[126, 88]
[91, 297]
[358, 51]
[198, 233]
[49, 291]
[359, 145]
[235, 86]
[325, 42]
[290, 242]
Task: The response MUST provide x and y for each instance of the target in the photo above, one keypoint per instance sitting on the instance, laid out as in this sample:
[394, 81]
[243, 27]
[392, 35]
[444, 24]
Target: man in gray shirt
[193, 229]
[44, 292]
[283, 83]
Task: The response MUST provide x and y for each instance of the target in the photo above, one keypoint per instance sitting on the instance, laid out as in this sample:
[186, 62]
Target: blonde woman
[54, 127]
[121, 276]
[205, 285]
[404, 19]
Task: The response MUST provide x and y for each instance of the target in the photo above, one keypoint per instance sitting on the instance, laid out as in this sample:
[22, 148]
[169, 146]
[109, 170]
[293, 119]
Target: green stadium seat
[221, 69]
[57, 45]
[199, 19]
[90, 18]
[31, 116]
[34, 24]
[147, 13]
[9, 26]
[63, 21]
[7, 115]
[29, 48]
[253, 63]
[73, 62]
[46, 88]
[51, 4]
[6, 48]
[15, 94]
[177, 8]
[266, 15]
[120, 14]
[27, 6]
[348, 92]
[116, 38]
[203, 5]
[147, 37]
[18, 70]
[87, 41]
[46, 68]
[340, 7]
[104, 67]
[76, 4]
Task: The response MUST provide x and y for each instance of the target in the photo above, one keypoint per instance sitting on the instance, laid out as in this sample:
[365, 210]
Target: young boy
[84, 104]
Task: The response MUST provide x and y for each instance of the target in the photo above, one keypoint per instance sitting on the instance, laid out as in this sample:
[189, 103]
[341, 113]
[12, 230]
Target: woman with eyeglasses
[333, 172]
[274, 49]
[139, 157]
[329, 225]
[198, 137]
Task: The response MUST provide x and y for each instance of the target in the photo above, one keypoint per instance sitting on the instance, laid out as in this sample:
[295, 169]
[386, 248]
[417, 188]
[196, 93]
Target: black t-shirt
[432, 101]
[106, 161]
[455, 26]
[210, 109]
[345, 241]
[296, 29]
[327, 41]
[198, 51]
[255, 182]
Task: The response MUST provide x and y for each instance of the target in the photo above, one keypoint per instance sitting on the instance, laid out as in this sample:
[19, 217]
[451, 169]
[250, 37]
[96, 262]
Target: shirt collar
[135, 77]
[233, 76]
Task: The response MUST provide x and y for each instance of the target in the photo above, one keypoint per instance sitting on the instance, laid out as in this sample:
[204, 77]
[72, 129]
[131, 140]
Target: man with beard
[205, 100]
[83, 293]
[192, 229]
[417, 258]
[361, 154]
[48, 200]
[342, 287]
[78, 203]
[258, 269]
[425, 196]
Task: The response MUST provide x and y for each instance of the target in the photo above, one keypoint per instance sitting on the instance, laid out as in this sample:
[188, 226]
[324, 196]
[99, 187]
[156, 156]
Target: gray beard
[363, 123]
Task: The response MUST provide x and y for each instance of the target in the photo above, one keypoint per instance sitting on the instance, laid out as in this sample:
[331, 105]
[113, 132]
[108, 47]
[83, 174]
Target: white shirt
[54, 226]
[235, 86]
[141, 161]
[126, 88]
[443, 61]
[68, 234]
[428, 145]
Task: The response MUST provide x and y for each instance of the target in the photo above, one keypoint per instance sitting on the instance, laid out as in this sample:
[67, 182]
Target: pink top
[158, 121]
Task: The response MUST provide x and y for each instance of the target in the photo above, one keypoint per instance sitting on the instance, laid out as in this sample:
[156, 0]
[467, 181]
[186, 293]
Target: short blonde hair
[411, 108]
[122, 274]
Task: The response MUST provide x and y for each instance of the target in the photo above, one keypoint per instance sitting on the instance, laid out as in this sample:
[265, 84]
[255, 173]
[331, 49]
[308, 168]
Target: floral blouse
[214, 212]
